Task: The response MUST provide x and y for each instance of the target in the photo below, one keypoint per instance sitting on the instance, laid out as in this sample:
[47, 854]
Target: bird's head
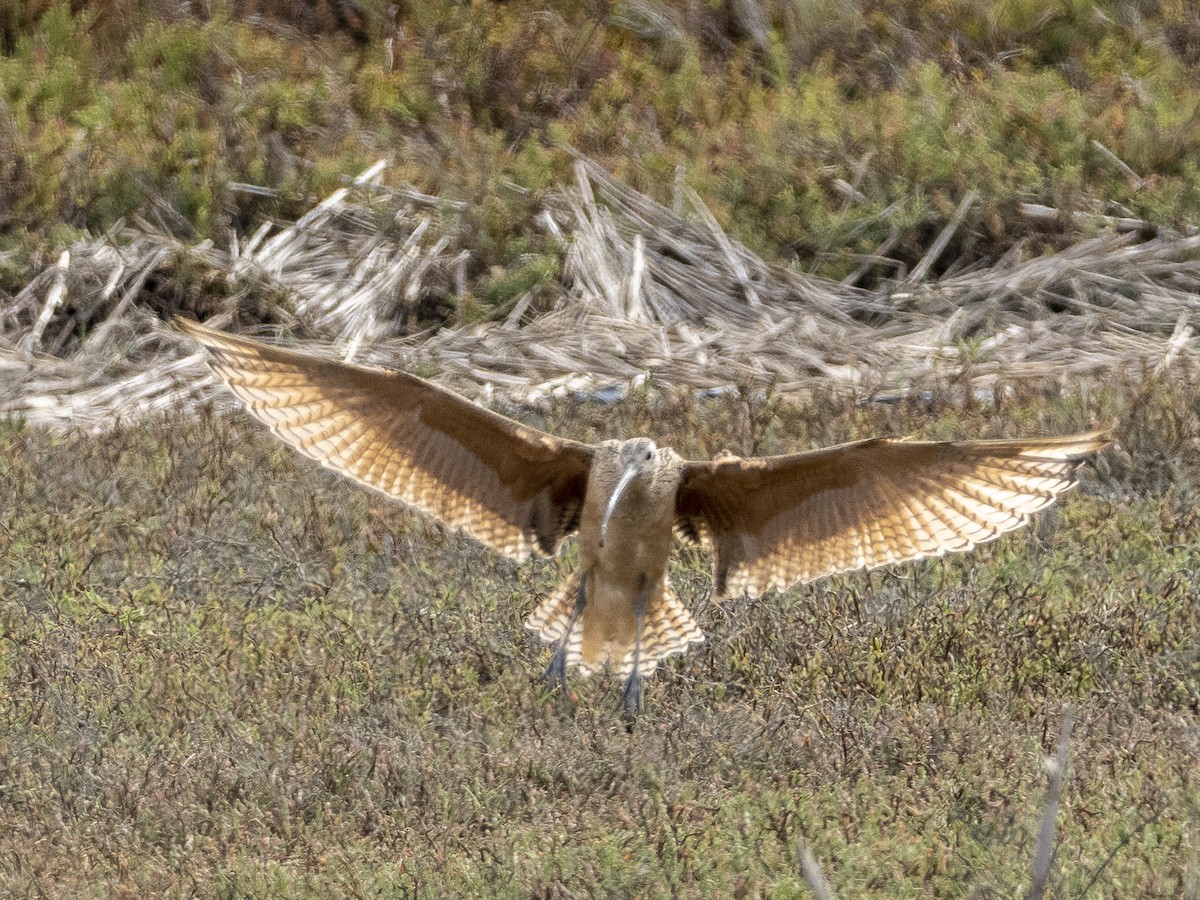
[639, 460]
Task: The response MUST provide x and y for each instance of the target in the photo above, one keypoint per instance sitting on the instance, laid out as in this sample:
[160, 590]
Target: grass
[224, 672]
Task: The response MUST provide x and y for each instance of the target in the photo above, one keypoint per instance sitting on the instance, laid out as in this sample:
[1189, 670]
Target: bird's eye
[649, 454]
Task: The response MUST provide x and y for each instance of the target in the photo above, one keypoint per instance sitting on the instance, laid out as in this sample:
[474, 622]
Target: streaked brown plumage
[769, 522]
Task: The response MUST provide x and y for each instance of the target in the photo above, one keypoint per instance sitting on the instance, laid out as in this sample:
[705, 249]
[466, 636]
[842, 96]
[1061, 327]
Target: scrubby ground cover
[225, 672]
[815, 129]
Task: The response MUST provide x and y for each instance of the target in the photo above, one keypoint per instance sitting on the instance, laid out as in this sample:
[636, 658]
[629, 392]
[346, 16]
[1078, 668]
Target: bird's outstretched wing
[516, 489]
[777, 521]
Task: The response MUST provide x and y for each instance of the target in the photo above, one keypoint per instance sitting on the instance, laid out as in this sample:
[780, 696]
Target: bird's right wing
[515, 488]
[777, 521]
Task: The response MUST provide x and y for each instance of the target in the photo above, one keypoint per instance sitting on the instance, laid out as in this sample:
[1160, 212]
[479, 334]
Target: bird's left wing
[776, 521]
[515, 488]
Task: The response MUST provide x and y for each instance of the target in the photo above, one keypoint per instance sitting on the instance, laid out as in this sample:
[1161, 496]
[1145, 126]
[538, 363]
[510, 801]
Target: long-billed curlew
[770, 522]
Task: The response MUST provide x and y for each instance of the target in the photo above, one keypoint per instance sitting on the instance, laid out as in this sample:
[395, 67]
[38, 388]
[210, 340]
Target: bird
[768, 522]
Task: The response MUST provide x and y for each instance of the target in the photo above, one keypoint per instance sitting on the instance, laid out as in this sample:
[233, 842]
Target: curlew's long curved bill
[777, 521]
[516, 489]
[626, 477]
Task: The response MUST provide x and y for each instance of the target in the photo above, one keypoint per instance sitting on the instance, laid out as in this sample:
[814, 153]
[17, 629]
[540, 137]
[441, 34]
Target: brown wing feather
[780, 520]
[514, 488]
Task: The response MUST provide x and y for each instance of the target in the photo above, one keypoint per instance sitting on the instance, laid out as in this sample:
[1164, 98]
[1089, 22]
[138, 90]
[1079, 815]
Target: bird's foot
[556, 670]
[631, 694]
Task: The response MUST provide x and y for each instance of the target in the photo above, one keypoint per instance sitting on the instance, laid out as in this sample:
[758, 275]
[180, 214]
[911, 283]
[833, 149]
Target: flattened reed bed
[645, 291]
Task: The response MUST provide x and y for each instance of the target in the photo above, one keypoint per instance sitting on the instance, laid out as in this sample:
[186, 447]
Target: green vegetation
[814, 129]
[226, 672]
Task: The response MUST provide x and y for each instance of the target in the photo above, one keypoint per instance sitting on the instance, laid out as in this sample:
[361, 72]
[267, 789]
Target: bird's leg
[556, 671]
[631, 694]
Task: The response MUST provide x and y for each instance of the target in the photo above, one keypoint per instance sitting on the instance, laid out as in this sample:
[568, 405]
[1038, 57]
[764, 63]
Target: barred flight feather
[785, 520]
[412, 441]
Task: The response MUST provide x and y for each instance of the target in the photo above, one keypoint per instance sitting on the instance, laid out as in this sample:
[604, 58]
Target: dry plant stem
[879, 257]
[1121, 165]
[54, 298]
[811, 871]
[1191, 888]
[921, 269]
[1044, 855]
[1124, 224]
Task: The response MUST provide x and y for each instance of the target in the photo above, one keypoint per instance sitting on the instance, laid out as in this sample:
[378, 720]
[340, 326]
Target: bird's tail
[668, 628]
[553, 615]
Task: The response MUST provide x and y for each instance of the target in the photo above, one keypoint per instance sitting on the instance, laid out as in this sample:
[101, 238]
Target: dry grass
[226, 673]
[644, 292]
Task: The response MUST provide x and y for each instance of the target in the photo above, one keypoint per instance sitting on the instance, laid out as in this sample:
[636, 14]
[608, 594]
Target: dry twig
[1056, 768]
[811, 871]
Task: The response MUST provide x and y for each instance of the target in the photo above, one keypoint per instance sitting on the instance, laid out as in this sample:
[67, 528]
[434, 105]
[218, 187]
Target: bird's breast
[633, 545]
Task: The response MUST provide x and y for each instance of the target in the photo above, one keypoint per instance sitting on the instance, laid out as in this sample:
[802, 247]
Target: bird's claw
[556, 669]
[632, 693]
